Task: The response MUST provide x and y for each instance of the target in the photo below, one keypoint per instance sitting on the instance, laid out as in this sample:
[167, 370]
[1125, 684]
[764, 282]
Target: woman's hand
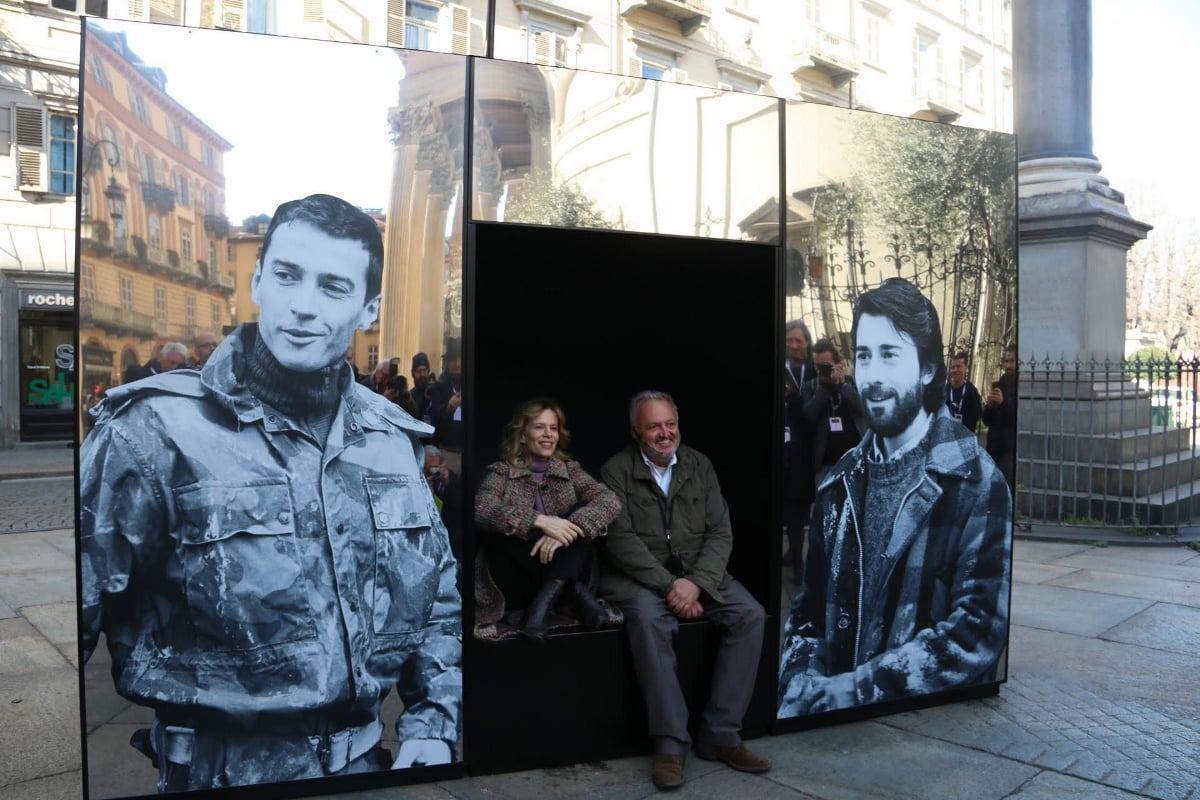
[561, 530]
[543, 549]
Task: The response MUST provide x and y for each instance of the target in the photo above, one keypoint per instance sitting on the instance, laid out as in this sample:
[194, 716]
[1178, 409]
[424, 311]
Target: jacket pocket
[244, 583]
[406, 555]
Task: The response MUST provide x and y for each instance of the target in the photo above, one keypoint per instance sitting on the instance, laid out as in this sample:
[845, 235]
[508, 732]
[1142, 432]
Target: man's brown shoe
[737, 757]
[668, 771]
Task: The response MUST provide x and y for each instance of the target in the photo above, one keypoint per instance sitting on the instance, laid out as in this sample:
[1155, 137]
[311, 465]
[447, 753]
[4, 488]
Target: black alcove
[590, 318]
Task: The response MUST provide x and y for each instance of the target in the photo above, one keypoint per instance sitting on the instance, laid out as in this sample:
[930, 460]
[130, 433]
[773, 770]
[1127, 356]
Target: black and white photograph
[898, 495]
[269, 591]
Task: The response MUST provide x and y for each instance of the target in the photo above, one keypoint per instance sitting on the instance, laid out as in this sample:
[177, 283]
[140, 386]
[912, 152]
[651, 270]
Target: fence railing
[1109, 443]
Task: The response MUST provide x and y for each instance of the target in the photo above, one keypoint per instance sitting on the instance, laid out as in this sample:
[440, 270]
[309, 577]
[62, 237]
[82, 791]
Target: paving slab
[58, 624]
[23, 651]
[623, 779]
[1149, 568]
[114, 768]
[874, 760]
[63, 786]
[1033, 572]
[1120, 584]
[39, 724]
[1055, 786]
[1055, 608]
[1115, 670]
[1027, 550]
[1162, 626]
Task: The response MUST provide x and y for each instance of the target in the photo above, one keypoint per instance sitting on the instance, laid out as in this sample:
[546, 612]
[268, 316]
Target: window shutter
[29, 125]
[460, 30]
[635, 67]
[543, 47]
[138, 10]
[395, 23]
[235, 14]
[314, 11]
[679, 75]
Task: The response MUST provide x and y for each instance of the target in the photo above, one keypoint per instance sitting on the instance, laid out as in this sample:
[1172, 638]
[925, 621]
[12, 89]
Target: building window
[146, 163]
[185, 245]
[183, 190]
[812, 12]
[927, 65]
[62, 154]
[372, 357]
[87, 281]
[138, 105]
[98, 71]
[230, 253]
[178, 137]
[210, 201]
[420, 25]
[126, 293]
[972, 80]
[208, 155]
[154, 232]
[874, 45]
[213, 264]
[189, 312]
[215, 310]
[160, 307]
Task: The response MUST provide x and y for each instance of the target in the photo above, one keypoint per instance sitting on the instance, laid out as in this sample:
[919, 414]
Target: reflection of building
[154, 271]
[38, 105]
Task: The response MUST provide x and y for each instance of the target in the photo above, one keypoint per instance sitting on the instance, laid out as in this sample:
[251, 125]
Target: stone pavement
[1102, 699]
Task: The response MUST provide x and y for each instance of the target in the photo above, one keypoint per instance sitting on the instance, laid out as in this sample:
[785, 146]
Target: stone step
[1128, 479]
[1178, 505]
[1102, 448]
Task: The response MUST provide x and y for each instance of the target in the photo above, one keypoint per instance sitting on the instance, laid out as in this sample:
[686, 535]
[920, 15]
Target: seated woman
[547, 510]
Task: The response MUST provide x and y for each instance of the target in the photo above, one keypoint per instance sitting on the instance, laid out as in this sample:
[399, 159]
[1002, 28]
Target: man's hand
[684, 599]
[561, 530]
[422, 753]
[995, 396]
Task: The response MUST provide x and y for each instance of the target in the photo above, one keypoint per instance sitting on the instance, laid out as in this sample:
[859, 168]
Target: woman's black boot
[534, 625]
[592, 614]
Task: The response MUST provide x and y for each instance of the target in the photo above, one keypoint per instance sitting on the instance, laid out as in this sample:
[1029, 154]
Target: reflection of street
[40, 504]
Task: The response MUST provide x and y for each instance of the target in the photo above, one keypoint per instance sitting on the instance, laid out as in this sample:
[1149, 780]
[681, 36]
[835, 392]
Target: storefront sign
[44, 299]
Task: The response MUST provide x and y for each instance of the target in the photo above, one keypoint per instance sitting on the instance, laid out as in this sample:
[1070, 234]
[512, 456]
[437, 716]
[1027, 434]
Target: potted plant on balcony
[139, 249]
[173, 259]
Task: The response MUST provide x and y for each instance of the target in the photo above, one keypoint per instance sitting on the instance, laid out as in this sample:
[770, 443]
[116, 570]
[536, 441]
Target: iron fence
[1109, 443]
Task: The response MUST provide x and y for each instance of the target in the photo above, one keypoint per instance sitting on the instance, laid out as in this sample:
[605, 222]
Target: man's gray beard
[904, 412]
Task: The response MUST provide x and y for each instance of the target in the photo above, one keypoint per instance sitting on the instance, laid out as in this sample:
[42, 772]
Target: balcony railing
[941, 97]
[115, 319]
[690, 14]
[224, 280]
[829, 53]
[158, 196]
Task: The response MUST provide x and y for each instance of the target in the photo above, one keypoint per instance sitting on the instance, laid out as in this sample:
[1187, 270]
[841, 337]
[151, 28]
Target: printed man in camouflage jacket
[259, 545]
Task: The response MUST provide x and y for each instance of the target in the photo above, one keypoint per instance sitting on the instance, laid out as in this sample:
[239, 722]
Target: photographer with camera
[832, 408]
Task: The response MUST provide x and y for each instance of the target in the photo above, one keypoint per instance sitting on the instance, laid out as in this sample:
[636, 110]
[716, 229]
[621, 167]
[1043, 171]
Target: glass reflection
[910, 215]
[186, 153]
[580, 149]
[434, 25]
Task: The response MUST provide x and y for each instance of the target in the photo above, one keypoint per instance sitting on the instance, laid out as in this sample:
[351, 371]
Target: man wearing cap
[422, 388]
[258, 543]
[446, 411]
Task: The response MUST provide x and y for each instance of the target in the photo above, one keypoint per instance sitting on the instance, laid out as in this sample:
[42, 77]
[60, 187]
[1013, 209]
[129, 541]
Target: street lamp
[113, 193]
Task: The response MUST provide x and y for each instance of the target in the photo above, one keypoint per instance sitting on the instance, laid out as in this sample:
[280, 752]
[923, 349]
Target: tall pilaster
[1075, 230]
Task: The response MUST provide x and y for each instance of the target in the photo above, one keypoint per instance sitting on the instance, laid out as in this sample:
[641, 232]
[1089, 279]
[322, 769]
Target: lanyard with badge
[956, 407]
[835, 421]
[673, 562]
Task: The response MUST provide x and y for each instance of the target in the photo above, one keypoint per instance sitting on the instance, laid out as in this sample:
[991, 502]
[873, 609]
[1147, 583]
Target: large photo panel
[268, 253]
[900, 409]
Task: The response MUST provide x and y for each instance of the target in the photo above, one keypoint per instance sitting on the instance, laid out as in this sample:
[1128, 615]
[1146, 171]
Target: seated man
[665, 557]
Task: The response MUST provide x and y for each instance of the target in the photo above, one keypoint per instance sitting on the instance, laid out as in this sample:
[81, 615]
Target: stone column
[1075, 229]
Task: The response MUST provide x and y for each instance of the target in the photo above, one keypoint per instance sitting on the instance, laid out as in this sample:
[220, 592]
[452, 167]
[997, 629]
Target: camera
[825, 370]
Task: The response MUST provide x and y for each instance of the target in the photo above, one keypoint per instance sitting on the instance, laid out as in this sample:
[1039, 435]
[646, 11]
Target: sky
[1144, 105]
[296, 126]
